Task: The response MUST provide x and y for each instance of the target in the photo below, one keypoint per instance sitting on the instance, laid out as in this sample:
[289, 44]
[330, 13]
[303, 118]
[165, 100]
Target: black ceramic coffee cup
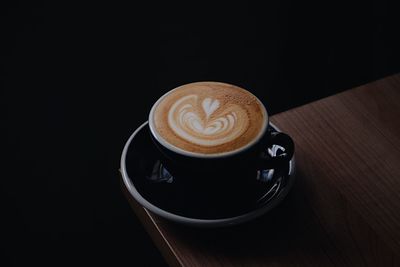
[233, 167]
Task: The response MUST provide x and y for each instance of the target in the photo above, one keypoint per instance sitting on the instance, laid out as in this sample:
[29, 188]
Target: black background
[77, 79]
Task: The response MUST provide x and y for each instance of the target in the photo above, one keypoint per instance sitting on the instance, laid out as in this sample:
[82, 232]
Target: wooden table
[344, 209]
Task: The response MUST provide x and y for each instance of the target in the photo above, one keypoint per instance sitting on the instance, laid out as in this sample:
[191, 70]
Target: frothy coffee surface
[208, 117]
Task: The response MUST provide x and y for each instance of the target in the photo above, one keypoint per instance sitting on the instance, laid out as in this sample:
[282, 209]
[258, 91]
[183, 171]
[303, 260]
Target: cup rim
[186, 153]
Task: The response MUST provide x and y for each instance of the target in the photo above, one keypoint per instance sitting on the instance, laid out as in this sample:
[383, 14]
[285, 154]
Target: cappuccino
[208, 118]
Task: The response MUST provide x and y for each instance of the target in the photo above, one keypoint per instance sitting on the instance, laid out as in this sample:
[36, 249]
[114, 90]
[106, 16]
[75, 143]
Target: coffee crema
[208, 118]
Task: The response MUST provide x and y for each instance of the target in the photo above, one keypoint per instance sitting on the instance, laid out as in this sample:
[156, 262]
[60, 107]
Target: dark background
[77, 79]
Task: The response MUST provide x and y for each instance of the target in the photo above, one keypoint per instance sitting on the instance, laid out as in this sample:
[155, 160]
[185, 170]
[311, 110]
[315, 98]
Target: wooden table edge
[149, 223]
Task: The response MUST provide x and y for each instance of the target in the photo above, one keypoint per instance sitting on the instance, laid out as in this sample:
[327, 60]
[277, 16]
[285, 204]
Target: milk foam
[206, 124]
[208, 118]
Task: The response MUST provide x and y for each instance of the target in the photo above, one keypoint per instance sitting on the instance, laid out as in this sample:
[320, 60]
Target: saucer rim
[202, 222]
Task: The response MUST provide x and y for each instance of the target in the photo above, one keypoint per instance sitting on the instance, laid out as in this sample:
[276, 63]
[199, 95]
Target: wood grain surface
[344, 209]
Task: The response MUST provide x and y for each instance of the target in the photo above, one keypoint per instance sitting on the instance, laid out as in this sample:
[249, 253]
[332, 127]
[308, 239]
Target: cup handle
[278, 161]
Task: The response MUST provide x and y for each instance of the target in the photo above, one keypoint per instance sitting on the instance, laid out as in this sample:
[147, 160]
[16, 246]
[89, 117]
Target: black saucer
[175, 199]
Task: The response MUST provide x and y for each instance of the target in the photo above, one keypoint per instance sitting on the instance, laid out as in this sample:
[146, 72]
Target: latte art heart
[206, 123]
[207, 118]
